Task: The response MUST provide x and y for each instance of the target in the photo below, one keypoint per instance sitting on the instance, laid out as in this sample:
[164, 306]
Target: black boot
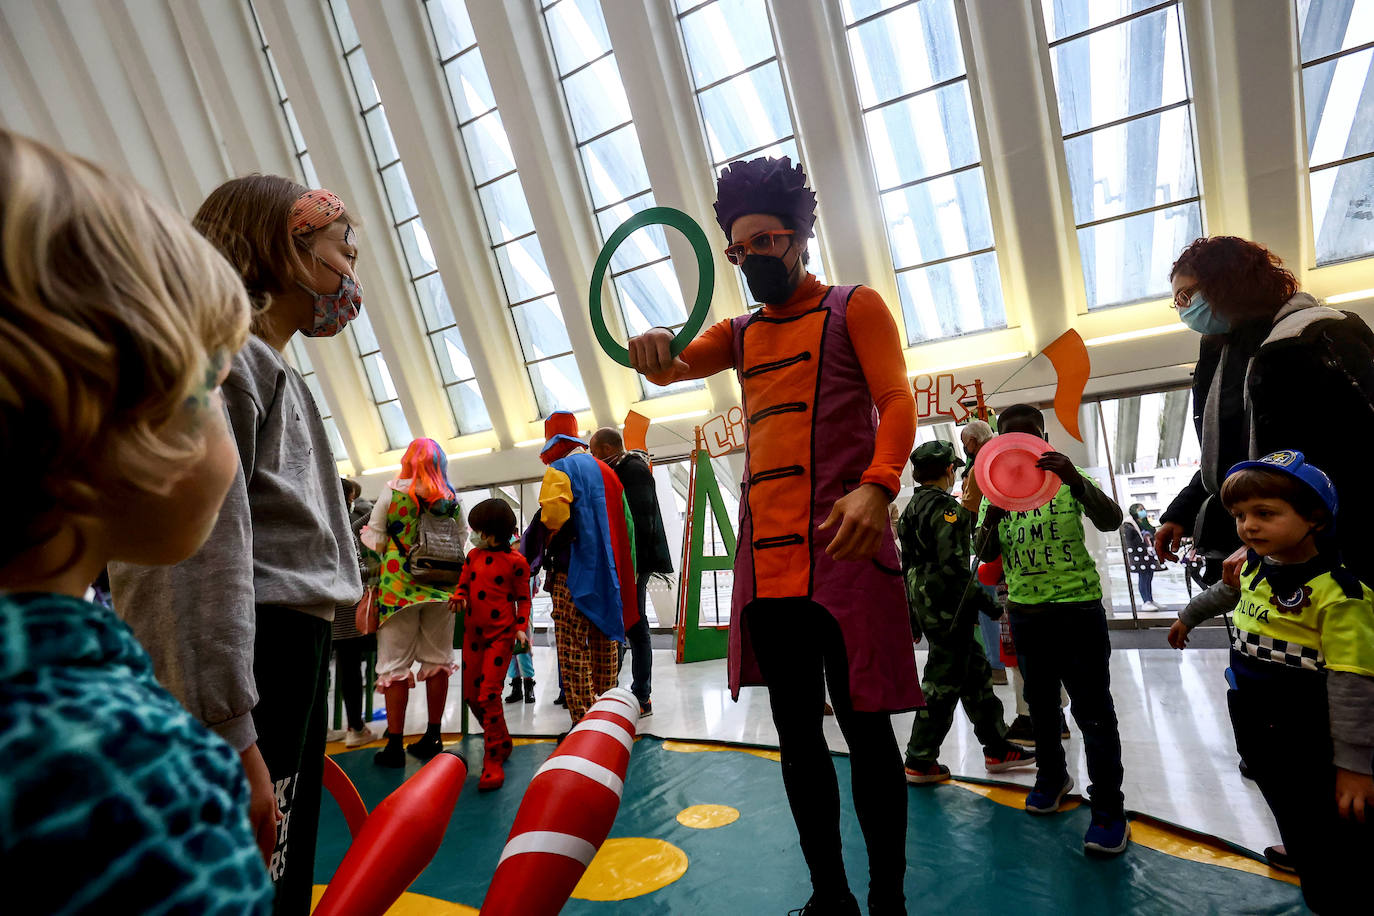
[517, 692]
[529, 689]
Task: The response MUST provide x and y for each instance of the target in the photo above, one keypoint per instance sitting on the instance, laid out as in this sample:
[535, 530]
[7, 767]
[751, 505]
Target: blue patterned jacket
[113, 799]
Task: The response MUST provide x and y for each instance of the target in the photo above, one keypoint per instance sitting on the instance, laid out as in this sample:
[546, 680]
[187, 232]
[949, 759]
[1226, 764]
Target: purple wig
[766, 185]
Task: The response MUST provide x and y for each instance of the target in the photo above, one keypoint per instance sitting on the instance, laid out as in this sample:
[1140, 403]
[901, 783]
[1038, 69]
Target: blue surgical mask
[477, 540]
[1198, 315]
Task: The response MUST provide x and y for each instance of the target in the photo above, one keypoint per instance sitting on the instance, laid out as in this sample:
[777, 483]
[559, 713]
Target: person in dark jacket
[651, 547]
[1272, 358]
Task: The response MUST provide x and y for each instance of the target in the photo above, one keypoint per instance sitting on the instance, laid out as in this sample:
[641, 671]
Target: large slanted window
[529, 292]
[465, 400]
[1127, 119]
[645, 288]
[299, 356]
[1336, 38]
[739, 87]
[924, 144]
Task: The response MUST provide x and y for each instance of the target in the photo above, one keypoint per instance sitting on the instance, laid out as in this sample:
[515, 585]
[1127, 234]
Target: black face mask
[769, 279]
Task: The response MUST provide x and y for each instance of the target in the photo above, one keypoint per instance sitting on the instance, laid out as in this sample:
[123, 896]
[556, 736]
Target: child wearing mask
[1302, 673]
[494, 596]
[118, 324]
[240, 632]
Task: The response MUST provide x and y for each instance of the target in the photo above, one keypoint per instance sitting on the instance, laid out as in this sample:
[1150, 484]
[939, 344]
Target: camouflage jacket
[936, 537]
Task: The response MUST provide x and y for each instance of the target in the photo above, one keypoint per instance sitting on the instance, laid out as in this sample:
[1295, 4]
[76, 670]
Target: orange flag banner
[636, 432]
[1071, 366]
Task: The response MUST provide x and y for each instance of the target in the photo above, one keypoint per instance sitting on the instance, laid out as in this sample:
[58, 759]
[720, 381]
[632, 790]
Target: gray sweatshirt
[282, 538]
[1349, 696]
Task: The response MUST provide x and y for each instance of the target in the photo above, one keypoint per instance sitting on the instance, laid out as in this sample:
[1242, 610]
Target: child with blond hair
[117, 326]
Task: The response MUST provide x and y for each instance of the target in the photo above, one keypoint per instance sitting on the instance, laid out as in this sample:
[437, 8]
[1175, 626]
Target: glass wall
[1126, 114]
[534, 308]
[466, 406]
[923, 141]
[1336, 40]
[643, 285]
[1142, 450]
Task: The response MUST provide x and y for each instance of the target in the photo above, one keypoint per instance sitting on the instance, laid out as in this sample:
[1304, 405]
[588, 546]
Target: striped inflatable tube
[567, 812]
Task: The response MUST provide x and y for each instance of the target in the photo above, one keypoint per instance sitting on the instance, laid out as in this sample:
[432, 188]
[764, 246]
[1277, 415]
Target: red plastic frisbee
[1006, 472]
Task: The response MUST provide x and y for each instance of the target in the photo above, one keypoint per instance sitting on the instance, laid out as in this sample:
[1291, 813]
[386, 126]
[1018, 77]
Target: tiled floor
[1179, 754]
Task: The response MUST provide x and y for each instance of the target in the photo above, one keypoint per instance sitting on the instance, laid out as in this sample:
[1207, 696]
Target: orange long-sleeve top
[877, 343]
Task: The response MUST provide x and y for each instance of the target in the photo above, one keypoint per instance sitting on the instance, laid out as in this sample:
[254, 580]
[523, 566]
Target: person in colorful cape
[415, 622]
[818, 594]
[589, 555]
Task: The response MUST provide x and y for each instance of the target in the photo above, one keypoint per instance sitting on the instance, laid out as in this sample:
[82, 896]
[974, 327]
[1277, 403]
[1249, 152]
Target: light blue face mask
[1198, 315]
[477, 540]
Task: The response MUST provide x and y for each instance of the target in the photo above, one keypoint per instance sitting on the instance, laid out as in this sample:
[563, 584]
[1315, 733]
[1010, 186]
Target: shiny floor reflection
[1179, 753]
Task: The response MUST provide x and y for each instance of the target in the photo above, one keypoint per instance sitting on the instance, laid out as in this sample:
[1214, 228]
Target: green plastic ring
[706, 277]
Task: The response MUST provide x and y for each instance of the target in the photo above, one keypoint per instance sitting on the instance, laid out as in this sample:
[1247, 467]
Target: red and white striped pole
[567, 812]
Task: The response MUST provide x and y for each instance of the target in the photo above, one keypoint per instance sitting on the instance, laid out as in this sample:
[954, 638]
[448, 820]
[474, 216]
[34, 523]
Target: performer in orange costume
[818, 595]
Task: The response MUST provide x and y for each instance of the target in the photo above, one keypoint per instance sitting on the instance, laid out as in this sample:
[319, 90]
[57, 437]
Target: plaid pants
[586, 657]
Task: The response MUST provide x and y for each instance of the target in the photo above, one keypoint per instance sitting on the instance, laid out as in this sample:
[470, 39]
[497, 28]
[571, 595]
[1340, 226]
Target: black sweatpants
[800, 650]
[291, 667]
[1283, 734]
[349, 656]
[1068, 644]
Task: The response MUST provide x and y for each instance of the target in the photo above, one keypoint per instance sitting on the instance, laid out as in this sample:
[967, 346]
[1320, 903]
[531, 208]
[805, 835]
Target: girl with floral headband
[240, 631]
[818, 594]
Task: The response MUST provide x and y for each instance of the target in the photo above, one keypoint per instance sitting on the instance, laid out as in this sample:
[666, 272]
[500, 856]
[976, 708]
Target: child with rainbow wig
[416, 624]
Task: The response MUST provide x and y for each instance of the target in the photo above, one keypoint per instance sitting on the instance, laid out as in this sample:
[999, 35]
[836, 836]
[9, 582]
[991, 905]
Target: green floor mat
[965, 853]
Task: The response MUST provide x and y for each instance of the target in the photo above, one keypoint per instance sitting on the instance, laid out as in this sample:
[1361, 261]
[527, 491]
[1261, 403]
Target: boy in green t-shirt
[1054, 604]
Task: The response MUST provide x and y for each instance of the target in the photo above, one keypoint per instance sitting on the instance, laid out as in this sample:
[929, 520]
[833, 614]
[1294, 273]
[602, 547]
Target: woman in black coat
[1276, 370]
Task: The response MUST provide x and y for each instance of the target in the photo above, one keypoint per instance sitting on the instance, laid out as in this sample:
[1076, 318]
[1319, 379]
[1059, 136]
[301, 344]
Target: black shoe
[829, 906]
[1021, 732]
[426, 748]
[517, 690]
[1063, 725]
[1245, 771]
[646, 708]
[529, 689]
[393, 756]
[1278, 857]
[560, 700]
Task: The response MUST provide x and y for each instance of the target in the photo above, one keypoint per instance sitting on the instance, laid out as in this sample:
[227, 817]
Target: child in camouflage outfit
[935, 534]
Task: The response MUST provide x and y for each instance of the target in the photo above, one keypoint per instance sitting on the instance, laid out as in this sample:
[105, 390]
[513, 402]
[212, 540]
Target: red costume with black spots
[496, 587]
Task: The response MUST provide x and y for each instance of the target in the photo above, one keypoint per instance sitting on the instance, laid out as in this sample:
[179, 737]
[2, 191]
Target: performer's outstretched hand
[651, 353]
[861, 516]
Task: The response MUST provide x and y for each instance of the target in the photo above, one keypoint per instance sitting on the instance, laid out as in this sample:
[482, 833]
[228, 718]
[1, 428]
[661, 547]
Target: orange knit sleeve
[878, 344]
[713, 351]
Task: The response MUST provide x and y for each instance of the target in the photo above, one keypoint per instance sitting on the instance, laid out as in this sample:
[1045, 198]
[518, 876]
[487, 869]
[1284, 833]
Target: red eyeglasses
[763, 243]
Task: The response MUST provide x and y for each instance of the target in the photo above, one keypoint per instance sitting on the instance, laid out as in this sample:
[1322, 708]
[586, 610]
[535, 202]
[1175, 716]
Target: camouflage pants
[956, 671]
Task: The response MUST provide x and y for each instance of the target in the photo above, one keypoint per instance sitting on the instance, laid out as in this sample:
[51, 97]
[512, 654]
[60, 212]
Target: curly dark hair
[766, 185]
[1242, 280]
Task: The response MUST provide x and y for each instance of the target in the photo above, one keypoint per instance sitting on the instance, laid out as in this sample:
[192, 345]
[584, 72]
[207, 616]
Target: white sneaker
[1149, 606]
[335, 734]
[357, 737]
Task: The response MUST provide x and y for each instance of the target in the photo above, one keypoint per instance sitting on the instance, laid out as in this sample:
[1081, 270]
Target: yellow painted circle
[409, 904]
[704, 817]
[631, 866]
